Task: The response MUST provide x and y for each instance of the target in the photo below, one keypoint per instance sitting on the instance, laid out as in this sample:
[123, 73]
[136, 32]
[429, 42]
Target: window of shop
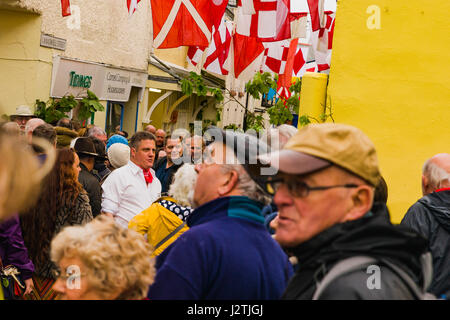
[114, 116]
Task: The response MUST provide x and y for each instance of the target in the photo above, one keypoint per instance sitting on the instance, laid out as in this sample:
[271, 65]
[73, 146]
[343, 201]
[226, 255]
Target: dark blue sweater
[227, 254]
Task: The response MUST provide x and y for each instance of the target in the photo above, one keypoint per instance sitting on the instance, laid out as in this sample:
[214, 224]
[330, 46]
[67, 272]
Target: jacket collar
[372, 235]
[234, 206]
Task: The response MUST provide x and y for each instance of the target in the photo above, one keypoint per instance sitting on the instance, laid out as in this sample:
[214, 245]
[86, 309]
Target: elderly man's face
[210, 176]
[301, 218]
[22, 121]
[160, 136]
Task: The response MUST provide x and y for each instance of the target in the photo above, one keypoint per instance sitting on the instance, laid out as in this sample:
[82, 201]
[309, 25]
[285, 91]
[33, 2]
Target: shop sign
[108, 83]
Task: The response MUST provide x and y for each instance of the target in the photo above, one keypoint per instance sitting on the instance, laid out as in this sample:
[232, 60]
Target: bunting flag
[322, 39]
[65, 7]
[266, 20]
[185, 22]
[275, 56]
[246, 51]
[132, 6]
[285, 79]
[217, 53]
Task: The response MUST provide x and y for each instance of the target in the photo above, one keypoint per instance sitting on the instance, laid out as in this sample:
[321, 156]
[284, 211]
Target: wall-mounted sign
[79, 80]
[108, 83]
[53, 42]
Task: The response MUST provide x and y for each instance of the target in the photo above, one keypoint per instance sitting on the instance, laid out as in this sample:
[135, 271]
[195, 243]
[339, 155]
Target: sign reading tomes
[78, 80]
[75, 77]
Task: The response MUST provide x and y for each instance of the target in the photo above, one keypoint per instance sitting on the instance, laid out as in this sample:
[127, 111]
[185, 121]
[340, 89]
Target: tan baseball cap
[317, 146]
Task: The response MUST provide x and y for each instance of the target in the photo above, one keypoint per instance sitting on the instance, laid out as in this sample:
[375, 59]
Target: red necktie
[148, 176]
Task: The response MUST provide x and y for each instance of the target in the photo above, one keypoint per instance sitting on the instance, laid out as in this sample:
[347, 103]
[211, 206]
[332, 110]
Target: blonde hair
[20, 174]
[116, 258]
[183, 182]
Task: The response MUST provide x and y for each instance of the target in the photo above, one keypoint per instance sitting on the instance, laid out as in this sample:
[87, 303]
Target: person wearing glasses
[226, 254]
[101, 261]
[324, 191]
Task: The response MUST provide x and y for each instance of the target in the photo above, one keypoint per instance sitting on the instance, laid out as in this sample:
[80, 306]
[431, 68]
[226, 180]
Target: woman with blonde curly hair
[101, 261]
[62, 202]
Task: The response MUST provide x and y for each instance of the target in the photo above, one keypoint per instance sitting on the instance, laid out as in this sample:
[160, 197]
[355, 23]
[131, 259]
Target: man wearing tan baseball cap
[324, 192]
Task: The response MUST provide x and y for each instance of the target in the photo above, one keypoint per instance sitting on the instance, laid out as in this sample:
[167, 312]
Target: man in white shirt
[134, 187]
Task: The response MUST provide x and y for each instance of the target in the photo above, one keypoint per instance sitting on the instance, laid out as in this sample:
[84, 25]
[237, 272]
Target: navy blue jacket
[227, 254]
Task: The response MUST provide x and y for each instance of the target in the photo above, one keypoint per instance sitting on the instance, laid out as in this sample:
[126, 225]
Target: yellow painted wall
[25, 67]
[174, 55]
[393, 83]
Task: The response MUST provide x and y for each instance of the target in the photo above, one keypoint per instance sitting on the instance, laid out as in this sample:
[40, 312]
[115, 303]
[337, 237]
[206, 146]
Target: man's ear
[229, 184]
[361, 203]
[425, 185]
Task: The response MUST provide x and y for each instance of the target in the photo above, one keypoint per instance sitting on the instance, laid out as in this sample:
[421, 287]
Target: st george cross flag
[275, 56]
[65, 7]
[217, 53]
[185, 22]
[132, 6]
[271, 20]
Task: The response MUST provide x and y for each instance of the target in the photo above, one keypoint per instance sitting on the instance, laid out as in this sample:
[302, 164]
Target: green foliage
[56, 109]
[255, 122]
[89, 105]
[53, 110]
[233, 127]
[194, 84]
[261, 84]
[279, 114]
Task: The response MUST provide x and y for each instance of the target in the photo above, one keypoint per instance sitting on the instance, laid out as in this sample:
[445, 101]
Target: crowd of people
[292, 214]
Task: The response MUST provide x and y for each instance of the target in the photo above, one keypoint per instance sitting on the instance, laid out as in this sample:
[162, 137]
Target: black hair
[138, 137]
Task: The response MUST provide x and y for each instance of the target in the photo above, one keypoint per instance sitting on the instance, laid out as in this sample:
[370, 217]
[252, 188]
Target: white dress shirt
[126, 194]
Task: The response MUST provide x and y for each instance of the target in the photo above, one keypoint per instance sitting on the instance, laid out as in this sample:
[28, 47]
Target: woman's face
[76, 166]
[72, 283]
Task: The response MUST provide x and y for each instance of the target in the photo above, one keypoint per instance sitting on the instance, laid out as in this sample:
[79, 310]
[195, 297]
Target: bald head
[160, 137]
[436, 173]
[150, 129]
[31, 125]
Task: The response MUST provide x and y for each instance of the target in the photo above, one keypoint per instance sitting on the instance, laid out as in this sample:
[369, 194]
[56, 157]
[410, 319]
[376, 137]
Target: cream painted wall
[392, 82]
[99, 31]
[25, 67]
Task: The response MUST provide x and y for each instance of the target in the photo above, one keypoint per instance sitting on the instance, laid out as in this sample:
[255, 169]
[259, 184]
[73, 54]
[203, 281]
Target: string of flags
[284, 37]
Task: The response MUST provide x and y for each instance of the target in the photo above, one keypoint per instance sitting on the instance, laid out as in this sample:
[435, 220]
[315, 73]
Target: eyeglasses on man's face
[299, 188]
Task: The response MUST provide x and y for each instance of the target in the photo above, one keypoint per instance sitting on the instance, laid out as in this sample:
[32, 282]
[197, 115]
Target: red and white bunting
[132, 6]
[185, 22]
[270, 21]
[217, 54]
[275, 56]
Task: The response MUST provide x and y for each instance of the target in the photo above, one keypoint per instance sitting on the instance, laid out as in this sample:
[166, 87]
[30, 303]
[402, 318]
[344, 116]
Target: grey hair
[182, 185]
[272, 135]
[435, 174]
[246, 184]
[96, 131]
